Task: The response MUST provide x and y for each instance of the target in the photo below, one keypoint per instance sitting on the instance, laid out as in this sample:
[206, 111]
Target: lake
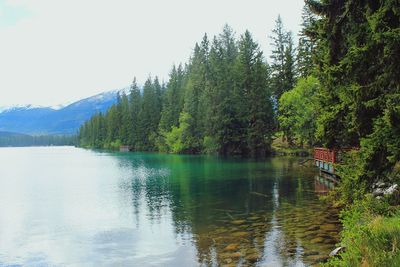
[65, 206]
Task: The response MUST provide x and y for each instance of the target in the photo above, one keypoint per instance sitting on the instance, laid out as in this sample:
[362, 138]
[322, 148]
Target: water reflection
[240, 212]
[66, 206]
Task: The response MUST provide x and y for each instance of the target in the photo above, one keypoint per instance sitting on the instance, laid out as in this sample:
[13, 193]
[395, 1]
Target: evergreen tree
[135, 107]
[149, 116]
[224, 129]
[306, 46]
[255, 110]
[195, 106]
[125, 128]
[173, 100]
[282, 65]
[358, 53]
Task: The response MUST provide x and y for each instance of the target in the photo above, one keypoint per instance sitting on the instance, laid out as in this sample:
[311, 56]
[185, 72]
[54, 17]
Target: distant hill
[33, 120]
[10, 134]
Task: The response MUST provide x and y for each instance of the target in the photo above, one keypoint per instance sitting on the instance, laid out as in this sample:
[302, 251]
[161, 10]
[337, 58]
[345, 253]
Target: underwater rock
[313, 228]
[238, 222]
[236, 255]
[240, 234]
[252, 257]
[317, 240]
[329, 226]
[257, 224]
[227, 256]
[310, 253]
[231, 247]
[329, 241]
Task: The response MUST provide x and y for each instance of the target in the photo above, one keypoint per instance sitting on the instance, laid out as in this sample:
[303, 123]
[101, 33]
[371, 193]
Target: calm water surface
[64, 206]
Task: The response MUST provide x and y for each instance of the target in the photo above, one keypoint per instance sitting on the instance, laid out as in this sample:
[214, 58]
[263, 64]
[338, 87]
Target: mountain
[36, 120]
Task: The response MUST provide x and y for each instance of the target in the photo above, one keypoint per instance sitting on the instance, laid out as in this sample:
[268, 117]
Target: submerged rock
[317, 258]
[313, 228]
[317, 240]
[238, 222]
[230, 256]
[310, 253]
[329, 226]
[240, 234]
[231, 247]
[257, 224]
[252, 257]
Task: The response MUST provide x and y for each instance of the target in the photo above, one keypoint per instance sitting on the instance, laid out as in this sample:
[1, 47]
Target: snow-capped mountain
[36, 120]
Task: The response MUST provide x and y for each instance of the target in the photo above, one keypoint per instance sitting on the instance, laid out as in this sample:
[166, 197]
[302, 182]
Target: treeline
[16, 140]
[224, 100]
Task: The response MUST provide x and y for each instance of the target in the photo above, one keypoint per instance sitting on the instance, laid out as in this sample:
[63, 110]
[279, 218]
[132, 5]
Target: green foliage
[297, 112]
[371, 235]
[179, 140]
[283, 60]
[306, 47]
[16, 140]
[149, 115]
[173, 99]
[252, 87]
[220, 102]
[210, 145]
[357, 54]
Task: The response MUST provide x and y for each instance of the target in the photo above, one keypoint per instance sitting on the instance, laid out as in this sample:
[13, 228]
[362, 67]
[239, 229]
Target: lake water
[64, 206]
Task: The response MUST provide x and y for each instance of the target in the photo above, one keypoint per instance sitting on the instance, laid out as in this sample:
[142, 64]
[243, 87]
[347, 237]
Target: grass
[371, 235]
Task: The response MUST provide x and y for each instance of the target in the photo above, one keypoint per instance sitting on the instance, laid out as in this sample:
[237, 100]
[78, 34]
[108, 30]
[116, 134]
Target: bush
[370, 238]
[210, 145]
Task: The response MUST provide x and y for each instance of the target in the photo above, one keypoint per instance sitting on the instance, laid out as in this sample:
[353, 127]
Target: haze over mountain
[36, 120]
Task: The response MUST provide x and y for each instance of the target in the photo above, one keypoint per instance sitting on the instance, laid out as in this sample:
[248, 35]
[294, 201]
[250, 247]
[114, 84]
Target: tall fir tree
[135, 101]
[255, 110]
[306, 45]
[282, 65]
[173, 99]
[358, 53]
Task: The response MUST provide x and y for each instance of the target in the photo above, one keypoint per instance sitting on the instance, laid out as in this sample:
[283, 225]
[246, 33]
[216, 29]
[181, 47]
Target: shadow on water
[234, 211]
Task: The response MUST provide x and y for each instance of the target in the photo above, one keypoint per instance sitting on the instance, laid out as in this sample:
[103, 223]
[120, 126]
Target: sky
[58, 51]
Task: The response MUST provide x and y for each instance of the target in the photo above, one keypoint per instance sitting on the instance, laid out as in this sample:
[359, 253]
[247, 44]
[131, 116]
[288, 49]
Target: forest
[223, 101]
[22, 140]
[338, 87]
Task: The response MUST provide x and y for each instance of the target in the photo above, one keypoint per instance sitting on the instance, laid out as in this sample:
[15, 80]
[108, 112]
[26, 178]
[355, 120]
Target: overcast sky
[53, 51]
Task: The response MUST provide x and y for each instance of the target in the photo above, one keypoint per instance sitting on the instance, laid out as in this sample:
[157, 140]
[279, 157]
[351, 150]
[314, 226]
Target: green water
[64, 206]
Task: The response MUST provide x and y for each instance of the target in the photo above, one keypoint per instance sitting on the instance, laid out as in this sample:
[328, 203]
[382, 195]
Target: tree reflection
[234, 211]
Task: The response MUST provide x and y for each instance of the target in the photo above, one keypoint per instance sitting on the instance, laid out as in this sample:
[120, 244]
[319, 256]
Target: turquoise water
[64, 206]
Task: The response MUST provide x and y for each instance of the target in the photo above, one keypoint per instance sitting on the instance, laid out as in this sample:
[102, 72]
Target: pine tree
[229, 126]
[252, 88]
[149, 116]
[306, 46]
[357, 54]
[135, 103]
[282, 65]
[195, 106]
[173, 100]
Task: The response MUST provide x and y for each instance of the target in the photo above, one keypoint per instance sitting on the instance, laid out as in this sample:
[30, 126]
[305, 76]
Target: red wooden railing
[325, 154]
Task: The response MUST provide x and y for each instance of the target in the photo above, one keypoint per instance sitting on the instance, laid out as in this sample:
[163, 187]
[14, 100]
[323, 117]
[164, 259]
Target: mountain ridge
[40, 120]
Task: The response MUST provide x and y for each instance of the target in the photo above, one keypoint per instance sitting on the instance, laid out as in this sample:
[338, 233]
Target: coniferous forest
[338, 87]
[223, 101]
